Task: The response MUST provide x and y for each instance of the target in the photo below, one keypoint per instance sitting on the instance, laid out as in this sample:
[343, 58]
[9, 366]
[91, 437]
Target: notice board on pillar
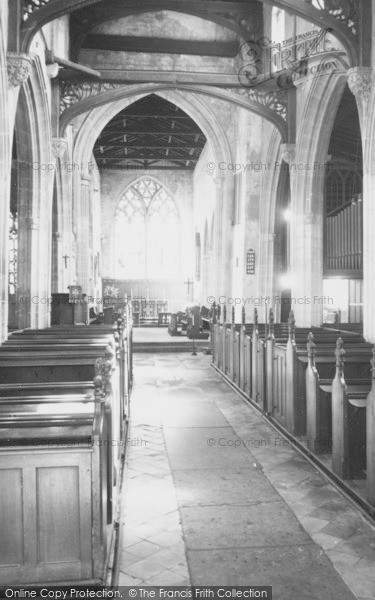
[250, 262]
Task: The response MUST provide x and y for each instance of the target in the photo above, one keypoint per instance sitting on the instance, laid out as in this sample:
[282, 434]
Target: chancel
[187, 306]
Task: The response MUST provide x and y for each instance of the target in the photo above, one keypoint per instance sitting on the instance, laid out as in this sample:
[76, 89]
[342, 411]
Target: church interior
[187, 302]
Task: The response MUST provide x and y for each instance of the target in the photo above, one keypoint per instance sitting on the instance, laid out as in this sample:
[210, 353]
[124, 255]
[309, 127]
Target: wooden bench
[53, 492]
[296, 361]
[321, 403]
[81, 337]
[349, 400]
[33, 366]
[177, 321]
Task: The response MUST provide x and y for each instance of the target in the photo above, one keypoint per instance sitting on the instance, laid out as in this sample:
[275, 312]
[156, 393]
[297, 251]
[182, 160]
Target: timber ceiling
[243, 17]
[151, 133]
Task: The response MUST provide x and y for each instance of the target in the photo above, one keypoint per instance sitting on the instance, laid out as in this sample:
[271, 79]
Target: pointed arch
[146, 231]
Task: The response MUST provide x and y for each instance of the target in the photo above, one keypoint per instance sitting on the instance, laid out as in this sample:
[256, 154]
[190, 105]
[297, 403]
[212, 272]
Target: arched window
[147, 233]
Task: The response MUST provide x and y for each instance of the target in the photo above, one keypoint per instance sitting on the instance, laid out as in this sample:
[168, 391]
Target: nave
[237, 512]
[182, 176]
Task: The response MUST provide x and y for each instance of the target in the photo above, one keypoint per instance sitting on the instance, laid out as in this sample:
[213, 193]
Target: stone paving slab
[252, 511]
[191, 413]
[189, 448]
[208, 486]
[294, 572]
[234, 526]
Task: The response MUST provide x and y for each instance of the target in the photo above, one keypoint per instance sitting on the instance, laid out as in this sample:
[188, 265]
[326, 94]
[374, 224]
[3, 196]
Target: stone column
[222, 250]
[306, 243]
[83, 235]
[18, 70]
[268, 274]
[360, 81]
[61, 251]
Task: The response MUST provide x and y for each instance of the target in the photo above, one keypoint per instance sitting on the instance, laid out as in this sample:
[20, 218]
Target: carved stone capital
[59, 146]
[288, 153]
[18, 68]
[360, 81]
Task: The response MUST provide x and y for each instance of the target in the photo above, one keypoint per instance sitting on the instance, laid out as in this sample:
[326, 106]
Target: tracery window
[147, 233]
[13, 252]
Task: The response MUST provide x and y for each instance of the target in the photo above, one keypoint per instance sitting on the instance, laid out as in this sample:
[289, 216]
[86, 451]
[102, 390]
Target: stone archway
[35, 201]
[307, 196]
[194, 106]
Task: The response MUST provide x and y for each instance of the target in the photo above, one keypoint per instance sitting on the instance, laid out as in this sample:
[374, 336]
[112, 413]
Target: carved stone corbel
[18, 68]
[360, 80]
[59, 146]
[288, 153]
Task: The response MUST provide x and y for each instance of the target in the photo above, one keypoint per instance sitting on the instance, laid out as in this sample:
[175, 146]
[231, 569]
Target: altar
[150, 299]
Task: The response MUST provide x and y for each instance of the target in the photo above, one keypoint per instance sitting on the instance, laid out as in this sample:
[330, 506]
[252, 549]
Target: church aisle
[214, 496]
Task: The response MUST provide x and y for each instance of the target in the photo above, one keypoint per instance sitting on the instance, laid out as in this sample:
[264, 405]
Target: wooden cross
[188, 283]
[66, 260]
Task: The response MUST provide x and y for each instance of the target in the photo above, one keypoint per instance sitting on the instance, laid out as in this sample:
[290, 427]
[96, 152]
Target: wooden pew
[194, 325]
[258, 387]
[348, 421]
[175, 325]
[95, 337]
[53, 492]
[318, 402]
[47, 388]
[33, 366]
[296, 365]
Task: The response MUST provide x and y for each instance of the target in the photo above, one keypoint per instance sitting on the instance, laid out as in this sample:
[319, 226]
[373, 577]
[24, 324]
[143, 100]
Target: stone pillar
[222, 223]
[83, 235]
[268, 274]
[18, 70]
[62, 260]
[360, 81]
[307, 275]
[306, 243]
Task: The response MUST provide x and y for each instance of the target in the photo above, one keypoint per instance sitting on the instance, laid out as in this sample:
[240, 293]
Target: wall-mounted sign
[250, 262]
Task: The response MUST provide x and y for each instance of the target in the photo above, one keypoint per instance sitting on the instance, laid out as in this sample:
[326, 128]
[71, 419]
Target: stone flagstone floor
[213, 495]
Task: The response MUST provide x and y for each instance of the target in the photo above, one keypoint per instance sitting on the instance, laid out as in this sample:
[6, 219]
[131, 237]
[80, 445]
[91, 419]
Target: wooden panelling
[11, 502]
[48, 505]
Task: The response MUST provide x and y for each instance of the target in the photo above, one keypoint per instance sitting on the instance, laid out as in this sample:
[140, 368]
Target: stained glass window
[147, 233]
[13, 253]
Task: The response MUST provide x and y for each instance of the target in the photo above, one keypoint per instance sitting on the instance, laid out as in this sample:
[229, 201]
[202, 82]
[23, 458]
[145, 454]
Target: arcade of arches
[191, 153]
